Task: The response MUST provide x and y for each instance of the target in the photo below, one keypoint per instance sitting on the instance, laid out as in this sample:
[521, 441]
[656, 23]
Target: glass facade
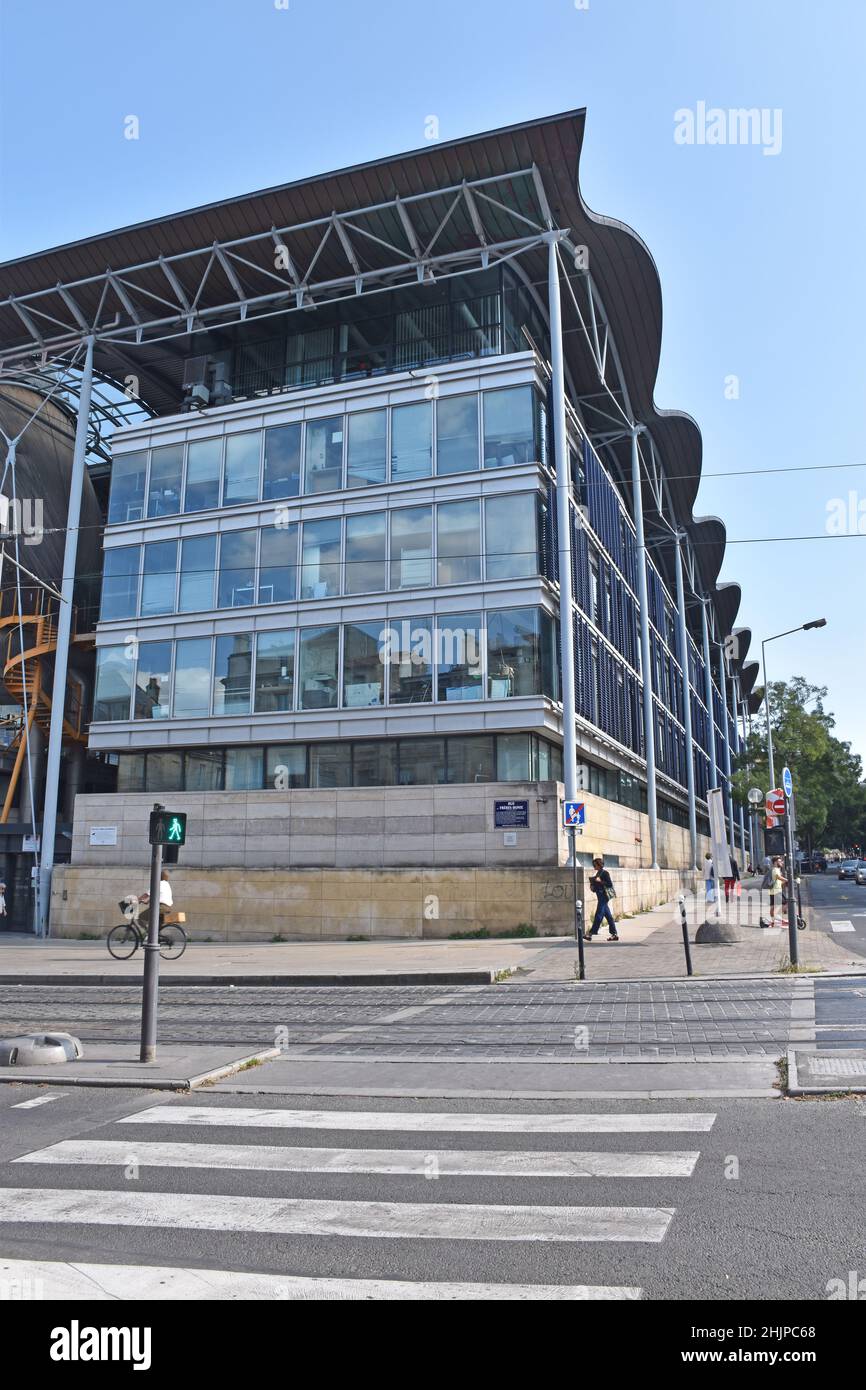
[402, 762]
[363, 448]
[419, 660]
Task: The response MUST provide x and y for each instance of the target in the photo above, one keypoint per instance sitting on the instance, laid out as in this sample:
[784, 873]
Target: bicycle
[124, 940]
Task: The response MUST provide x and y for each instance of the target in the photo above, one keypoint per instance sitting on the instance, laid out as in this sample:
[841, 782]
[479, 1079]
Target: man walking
[603, 888]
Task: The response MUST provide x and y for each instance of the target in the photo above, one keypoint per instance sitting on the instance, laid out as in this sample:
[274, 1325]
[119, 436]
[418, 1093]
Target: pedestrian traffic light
[167, 827]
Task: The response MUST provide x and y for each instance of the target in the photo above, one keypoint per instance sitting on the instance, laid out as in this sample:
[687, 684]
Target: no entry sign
[776, 802]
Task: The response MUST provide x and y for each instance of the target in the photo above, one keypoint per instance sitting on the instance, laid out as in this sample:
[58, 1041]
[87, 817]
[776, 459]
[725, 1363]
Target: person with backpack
[602, 886]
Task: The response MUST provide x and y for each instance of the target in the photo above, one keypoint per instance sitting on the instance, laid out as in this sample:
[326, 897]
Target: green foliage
[828, 778]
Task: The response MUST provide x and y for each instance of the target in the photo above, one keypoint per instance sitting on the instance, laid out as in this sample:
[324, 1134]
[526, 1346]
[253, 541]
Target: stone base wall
[324, 904]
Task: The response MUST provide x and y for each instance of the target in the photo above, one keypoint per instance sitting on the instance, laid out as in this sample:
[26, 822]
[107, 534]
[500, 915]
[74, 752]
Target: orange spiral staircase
[28, 672]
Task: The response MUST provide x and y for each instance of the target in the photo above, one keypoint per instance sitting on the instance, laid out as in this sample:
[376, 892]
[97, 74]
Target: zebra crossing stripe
[54, 1280]
[415, 1162]
[230, 1116]
[842, 926]
[190, 1211]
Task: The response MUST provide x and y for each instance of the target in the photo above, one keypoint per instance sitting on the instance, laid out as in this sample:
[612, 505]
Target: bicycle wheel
[123, 941]
[172, 941]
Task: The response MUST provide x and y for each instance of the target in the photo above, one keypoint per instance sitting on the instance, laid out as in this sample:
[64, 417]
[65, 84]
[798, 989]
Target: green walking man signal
[167, 827]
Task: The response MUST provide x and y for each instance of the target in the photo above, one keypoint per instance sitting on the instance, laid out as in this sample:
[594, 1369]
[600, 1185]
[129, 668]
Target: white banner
[718, 837]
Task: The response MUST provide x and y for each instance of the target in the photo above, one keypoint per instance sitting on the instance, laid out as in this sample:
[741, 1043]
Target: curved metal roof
[622, 269]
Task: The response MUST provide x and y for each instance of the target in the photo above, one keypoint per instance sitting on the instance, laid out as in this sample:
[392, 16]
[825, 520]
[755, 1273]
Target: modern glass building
[400, 510]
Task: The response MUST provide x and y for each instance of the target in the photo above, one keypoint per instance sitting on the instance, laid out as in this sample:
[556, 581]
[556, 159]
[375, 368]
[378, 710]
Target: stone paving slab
[813, 1072]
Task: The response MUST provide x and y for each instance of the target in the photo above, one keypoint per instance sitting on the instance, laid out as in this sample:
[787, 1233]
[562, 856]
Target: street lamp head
[817, 622]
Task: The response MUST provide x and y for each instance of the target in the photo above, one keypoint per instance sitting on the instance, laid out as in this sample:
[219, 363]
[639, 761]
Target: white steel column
[564, 522]
[61, 656]
[687, 700]
[726, 741]
[735, 705]
[645, 661]
[708, 694]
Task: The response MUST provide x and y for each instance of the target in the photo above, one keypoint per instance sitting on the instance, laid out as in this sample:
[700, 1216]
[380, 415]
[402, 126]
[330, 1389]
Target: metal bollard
[685, 925]
[578, 932]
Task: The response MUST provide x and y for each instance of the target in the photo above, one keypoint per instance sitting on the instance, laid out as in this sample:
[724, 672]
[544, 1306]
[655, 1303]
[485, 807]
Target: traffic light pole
[150, 987]
[793, 945]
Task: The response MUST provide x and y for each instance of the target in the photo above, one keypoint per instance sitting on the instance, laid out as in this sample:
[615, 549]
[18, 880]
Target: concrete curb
[794, 1088]
[454, 1093]
[396, 977]
[185, 1083]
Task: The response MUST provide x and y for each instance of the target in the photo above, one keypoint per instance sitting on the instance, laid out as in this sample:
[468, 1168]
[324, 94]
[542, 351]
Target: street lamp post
[804, 627]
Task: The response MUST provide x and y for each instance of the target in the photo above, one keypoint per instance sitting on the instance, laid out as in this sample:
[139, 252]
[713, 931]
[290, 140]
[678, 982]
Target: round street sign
[756, 796]
[787, 781]
[775, 802]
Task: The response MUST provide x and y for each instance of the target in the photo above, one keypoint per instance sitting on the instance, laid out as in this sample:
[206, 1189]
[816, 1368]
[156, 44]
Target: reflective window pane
[282, 462]
[320, 575]
[164, 772]
[330, 764]
[197, 565]
[159, 578]
[374, 763]
[365, 553]
[458, 542]
[275, 671]
[120, 582]
[511, 536]
[324, 455]
[203, 770]
[244, 769]
[166, 472]
[471, 759]
[192, 680]
[412, 441]
[278, 564]
[512, 758]
[232, 670]
[458, 650]
[130, 772]
[411, 547]
[128, 472]
[153, 681]
[366, 449]
[241, 481]
[237, 577]
[286, 766]
[203, 460]
[363, 669]
[318, 666]
[409, 650]
[509, 431]
[456, 434]
[513, 653]
[421, 761]
[113, 693]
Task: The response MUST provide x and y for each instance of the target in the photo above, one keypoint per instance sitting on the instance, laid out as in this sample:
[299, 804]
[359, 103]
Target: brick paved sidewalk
[651, 947]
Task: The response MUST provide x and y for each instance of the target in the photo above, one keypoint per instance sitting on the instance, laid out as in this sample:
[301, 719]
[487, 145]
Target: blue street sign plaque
[573, 814]
[788, 782]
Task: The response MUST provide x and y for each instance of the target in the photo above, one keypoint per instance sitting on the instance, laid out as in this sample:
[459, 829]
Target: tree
[828, 778]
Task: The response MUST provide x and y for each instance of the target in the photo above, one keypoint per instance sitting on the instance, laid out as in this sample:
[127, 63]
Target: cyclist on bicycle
[166, 899]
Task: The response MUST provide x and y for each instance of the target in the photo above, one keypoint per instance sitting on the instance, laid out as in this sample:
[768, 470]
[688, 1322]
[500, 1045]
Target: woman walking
[603, 888]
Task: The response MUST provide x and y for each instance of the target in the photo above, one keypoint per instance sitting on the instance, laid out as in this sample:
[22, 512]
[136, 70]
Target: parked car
[848, 868]
[860, 875]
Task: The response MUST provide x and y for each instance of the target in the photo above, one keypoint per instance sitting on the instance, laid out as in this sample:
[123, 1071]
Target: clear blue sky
[761, 258]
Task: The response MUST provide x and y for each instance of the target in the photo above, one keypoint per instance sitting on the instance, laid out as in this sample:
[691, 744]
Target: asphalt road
[710, 1018]
[838, 906]
[666, 1200]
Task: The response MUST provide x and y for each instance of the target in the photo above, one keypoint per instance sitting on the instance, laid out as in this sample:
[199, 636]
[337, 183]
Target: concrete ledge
[384, 977]
[837, 1086]
[119, 1067]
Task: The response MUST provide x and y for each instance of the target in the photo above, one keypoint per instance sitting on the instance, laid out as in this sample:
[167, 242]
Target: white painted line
[843, 926]
[190, 1211]
[422, 1163]
[413, 1121]
[46, 1279]
[32, 1104]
